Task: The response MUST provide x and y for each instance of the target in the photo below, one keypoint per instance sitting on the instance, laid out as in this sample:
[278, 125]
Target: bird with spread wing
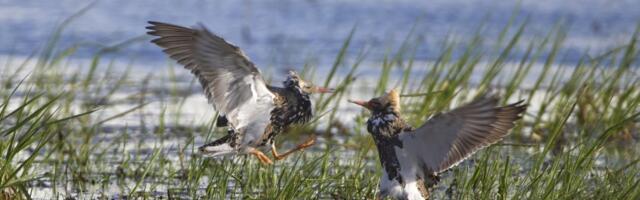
[412, 157]
[254, 111]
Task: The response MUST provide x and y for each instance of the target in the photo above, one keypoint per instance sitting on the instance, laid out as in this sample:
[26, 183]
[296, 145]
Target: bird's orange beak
[361, 103]
[318, 89]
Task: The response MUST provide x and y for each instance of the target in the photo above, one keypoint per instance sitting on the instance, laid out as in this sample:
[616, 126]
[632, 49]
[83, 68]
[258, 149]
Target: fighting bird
[413, 157]
[254, 111]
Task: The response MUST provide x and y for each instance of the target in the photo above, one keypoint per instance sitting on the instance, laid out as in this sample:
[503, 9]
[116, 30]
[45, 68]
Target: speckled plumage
[292, 107]
[412, 158]
[254, 111]
[385, 127]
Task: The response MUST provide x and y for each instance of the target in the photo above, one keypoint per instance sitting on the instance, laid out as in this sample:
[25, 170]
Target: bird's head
[294, 81]
[387, 103]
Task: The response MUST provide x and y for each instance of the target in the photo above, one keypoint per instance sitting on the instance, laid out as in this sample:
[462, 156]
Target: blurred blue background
[289, 33]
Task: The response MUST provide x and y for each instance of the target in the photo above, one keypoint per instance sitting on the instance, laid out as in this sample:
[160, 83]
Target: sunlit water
[279, 35]
[182, 105]
[290, 33]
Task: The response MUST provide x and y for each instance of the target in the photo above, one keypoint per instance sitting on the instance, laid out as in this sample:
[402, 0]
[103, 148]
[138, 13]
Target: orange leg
[302, 146]
[263, 158]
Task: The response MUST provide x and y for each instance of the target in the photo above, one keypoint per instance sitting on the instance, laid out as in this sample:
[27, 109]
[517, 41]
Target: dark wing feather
[228, 77]
[449, 138]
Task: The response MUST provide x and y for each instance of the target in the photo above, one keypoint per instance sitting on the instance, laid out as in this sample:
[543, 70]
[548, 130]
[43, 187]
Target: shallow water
[286, 34]
[137, 134]
[277, 35]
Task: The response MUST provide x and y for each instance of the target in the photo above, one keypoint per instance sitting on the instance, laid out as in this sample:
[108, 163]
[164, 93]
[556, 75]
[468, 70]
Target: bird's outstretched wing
[449, 138]
[230, 80]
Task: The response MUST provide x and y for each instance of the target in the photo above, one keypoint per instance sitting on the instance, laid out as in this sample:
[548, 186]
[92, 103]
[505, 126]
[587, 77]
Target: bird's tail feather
[219, 147]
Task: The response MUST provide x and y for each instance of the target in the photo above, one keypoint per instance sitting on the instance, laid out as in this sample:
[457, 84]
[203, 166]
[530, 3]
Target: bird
[254, 111]
[411, 157]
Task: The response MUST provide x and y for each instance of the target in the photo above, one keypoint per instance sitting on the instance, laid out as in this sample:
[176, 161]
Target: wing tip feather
[504, 120]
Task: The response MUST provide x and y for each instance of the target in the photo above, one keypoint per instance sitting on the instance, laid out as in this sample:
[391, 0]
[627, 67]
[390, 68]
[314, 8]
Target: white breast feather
[409, 173]
[254, 115]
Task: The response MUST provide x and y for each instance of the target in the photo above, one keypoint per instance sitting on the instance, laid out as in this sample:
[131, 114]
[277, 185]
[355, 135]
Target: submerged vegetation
[96, 132]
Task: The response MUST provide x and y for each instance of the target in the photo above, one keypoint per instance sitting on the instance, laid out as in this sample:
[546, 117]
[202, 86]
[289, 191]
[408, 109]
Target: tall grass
[96, 132]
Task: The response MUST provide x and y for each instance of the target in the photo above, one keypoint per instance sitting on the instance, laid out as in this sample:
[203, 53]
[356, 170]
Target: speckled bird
[254, 111]
[411, 158]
